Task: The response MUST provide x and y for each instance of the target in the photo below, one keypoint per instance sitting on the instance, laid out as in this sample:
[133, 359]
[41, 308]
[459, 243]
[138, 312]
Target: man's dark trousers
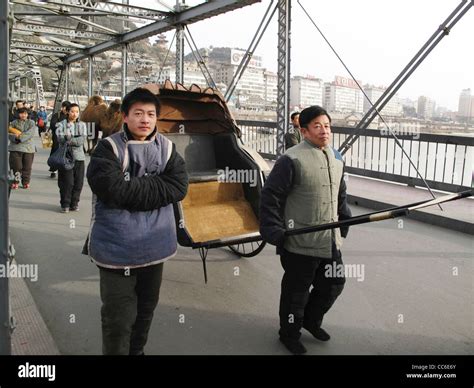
[128, 304]
[297, 305]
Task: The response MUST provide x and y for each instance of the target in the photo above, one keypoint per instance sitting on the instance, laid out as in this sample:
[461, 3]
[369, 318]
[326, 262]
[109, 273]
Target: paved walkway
[415, 295]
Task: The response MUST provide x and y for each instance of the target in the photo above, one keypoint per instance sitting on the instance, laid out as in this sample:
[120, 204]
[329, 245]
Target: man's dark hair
[294, 114]
[65, 104]
[17, 101]
[311, 113]
[22, 110]
[139, 95]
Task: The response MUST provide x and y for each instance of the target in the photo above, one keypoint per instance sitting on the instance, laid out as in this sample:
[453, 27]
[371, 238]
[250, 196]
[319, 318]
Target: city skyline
[375, 47]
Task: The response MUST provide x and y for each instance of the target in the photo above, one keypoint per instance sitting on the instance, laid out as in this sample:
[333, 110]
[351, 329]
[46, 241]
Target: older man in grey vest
[306, 187]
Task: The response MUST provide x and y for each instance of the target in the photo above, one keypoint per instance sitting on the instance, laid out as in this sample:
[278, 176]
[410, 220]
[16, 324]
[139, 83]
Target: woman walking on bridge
[73, 132]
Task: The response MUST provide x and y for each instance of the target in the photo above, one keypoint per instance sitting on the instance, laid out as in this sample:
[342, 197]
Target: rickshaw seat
[198, 153]
[212, 210]
[217, 210]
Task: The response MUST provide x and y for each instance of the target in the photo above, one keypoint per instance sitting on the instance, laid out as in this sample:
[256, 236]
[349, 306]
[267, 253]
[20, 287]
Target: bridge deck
[415, 296]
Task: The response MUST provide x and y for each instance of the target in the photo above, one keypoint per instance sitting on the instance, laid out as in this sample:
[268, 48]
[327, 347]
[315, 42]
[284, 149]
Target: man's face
[19, 105]
[318, 131]
[23, 115]
[141, 120]
[296, 121]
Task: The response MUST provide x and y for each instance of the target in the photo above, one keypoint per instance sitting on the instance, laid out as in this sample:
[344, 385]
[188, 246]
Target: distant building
[426, 108]
[306, 91]
[192, 75]
[409, 107]
[392, 108]
[225, 65]
[466, 105]
[271, 87]
[343, 95]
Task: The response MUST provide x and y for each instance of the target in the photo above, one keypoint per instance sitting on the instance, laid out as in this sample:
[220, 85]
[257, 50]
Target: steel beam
[66, 82]
[51, 48]
[124, 70]
[5, 333]
[48, 13]
[111, 8]
[179, 68]
[283, 82]
[188, 16]
[71, 33]
[29, 59]
[180, 54]
[90, 78]
[27, 90]
[60, 91]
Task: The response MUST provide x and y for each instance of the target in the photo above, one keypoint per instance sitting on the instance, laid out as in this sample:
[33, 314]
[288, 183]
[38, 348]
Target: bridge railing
[445, 162]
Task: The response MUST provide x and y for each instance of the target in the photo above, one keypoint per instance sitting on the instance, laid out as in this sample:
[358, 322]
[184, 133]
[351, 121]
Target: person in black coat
[57, 118]
[136, 176]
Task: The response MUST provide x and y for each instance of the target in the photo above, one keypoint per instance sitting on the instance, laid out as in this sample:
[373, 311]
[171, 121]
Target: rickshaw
[226, 177]
[222, 209]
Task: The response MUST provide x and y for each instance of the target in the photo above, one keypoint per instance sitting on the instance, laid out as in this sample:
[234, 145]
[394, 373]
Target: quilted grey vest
[313, 199]
[119, 238]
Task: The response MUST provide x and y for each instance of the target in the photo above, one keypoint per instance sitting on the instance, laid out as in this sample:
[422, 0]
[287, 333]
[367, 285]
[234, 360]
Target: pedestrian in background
[94, 111]
[293, 136]
[72, 132]
[22, 150]
[14, 111]
[55, 119]
[42, 117]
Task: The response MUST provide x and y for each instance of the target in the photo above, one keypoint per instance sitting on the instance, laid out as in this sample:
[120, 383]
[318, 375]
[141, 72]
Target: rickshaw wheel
[249, 249]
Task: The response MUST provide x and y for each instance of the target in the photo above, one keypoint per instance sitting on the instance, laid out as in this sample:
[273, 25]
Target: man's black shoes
[318, 333]
[293, 345]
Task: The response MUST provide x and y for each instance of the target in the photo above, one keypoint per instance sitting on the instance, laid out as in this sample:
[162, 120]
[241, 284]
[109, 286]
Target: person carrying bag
[71, 134]
[62, 158]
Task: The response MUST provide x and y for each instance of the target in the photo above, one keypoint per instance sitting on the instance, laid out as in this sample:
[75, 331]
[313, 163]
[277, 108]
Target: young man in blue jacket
[135, 175]
[306, 187]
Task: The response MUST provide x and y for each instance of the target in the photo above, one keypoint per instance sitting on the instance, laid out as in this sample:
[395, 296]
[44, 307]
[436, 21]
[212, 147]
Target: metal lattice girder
[109, 8]
[39, 85]
[283, 83]
[188, 16]
[60, 11]
[94, 8]
[30, 58]
[72, 33]
[60, 92]
[50, 48]
[180, 54]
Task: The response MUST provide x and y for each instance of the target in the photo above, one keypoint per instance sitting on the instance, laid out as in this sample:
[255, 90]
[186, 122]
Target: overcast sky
[375, 38]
